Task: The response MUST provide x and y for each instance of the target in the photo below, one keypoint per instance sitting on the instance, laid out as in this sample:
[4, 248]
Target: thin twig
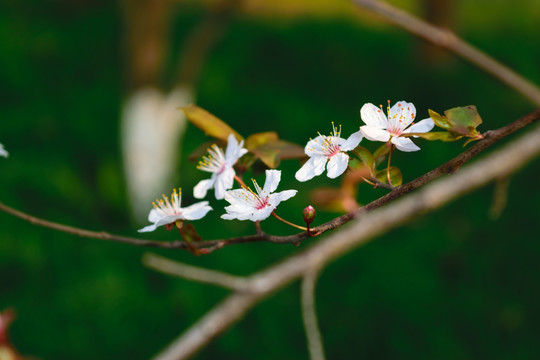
[503, 162]
[309, 315]
[446, 39]
[100, 235]
[288, 222]
[194, 273]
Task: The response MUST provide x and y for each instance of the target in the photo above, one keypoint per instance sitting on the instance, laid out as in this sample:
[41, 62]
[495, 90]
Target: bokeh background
[455, 284]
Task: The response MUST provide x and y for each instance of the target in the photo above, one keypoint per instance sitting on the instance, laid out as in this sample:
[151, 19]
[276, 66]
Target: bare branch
[447, 39]
[504, 161]
[194, 273]
[100, 235]
[309, 314]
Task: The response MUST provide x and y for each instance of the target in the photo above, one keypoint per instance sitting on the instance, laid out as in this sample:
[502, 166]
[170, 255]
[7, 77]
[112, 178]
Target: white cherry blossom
[399, 120]
[220, 164]
[247, 204]
[167, 212]
[331, 149]
[3, 151]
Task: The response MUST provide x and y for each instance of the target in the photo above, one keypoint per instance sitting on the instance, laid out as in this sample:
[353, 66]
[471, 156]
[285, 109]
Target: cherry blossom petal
[200, 190]
[352, 142]
[236, 197]
[314, 147]
[404, 144]
[232, 214]
[402, 108]
[234, 150]
[423, 126]
[154, 215]
[337, 165]
[148, 228]
[373, 116]
[400, 116]
[196, 211]
[261, 214]
[313, 167]
[224, 182]
[163, 220]
[273, 177]
[276, 198]
[375, 134]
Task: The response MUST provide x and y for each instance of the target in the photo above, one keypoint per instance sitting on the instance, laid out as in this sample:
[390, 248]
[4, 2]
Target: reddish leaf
[271, 153]
[208, 123]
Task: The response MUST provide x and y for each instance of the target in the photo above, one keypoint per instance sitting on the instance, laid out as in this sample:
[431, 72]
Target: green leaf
[271, 153]
[466, 117]
[395, 176]
[459, 121]
[208, 123]
[365, 155]
[435, 135]
[354, 163]
[439, 120]
[383, 150]
[256, 140]
[472, 139]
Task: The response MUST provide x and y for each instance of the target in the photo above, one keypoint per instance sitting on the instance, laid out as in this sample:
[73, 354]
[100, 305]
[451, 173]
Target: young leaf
[395, 176]
[271, 153]
[466, 116]
[208, 123]
[436, 135]
[459, 121]
[189, 233]
[365, 155]
[439, 120]
[383, 150]
[256, 140]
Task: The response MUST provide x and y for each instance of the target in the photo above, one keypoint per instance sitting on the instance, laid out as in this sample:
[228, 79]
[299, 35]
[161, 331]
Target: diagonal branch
[447, 39]
[194, 273]
[502, 162]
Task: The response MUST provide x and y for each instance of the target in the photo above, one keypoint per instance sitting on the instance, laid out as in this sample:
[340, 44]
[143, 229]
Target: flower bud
[309, 214]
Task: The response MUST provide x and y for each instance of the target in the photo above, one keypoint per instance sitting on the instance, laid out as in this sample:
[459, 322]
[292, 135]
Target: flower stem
[369, 182]
[288, 222]
[240, 181]
[388, 167]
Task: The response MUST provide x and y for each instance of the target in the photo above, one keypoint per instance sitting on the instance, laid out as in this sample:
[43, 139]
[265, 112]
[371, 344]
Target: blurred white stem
[152, 127]
[309, 315]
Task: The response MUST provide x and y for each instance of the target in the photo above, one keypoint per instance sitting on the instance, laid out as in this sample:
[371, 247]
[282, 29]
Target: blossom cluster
[328, 152]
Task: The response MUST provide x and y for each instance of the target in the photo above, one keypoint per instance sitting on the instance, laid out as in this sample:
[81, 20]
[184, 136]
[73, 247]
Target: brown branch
[447, 39]
[491, 137]
[502, 162]
[100, 235]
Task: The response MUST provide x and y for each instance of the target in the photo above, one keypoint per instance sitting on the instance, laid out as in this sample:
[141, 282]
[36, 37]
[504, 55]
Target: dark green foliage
[451, 285]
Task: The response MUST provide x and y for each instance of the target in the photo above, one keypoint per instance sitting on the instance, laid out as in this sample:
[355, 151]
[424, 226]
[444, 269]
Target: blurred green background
[454, 284]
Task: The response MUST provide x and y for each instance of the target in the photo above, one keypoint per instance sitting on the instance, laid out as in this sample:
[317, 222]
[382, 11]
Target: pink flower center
[261, 203]
[332, 150]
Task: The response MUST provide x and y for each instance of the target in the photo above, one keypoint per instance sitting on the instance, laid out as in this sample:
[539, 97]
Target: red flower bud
[309, 214]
